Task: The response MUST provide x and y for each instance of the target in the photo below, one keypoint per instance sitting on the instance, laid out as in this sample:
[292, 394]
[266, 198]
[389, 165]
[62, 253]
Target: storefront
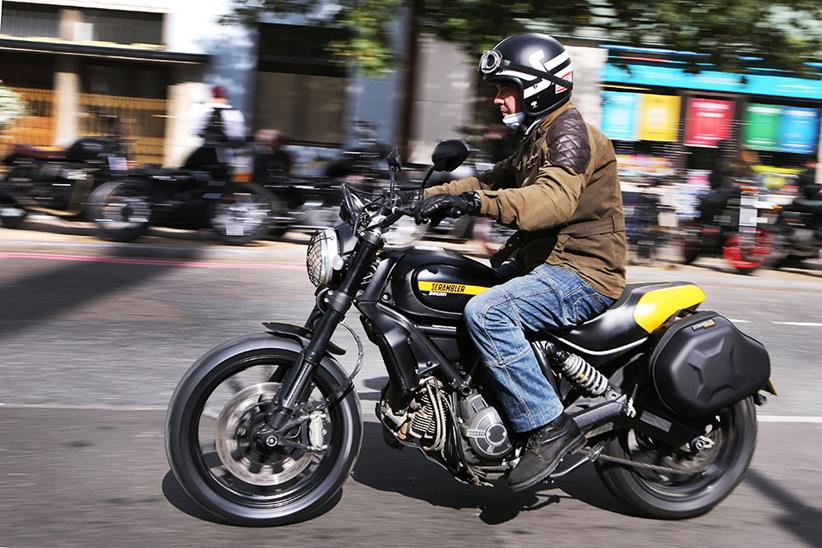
[665, 121]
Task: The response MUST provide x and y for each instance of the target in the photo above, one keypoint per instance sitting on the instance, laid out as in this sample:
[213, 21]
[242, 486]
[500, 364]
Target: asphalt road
[94, 338]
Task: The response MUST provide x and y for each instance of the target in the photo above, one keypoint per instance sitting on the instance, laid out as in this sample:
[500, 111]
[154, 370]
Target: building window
[30, 20]
[124, 27]
[300, 91]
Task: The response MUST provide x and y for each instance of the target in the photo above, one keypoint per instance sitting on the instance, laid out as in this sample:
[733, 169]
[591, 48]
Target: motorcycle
[59, 182]
[208, 191]
[798, 229]
[265, 429]
[729, 227]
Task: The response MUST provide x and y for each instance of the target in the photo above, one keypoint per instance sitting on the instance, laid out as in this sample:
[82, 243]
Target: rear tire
[121, 210]
[243, 214]
[683, 495]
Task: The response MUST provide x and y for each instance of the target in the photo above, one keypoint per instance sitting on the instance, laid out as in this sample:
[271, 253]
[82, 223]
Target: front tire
[121, 210]
[229, 477]
[688, 494]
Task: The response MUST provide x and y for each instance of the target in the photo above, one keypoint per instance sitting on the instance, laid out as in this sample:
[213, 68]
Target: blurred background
[713, 108]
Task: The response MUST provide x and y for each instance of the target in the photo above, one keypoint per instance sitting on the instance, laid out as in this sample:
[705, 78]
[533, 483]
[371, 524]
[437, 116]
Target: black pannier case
[704, 363]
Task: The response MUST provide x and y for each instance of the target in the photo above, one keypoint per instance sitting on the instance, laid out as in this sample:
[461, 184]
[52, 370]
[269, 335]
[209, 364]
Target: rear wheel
[243, 214]
[121, 210]
[702, 479]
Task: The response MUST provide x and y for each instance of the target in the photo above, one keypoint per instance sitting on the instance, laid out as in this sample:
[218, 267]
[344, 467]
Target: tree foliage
[782, 34]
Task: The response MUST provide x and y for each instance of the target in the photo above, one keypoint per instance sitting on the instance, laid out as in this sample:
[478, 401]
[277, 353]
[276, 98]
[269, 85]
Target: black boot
[544, 450]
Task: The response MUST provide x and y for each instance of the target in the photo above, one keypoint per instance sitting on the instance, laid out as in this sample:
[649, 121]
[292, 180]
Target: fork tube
[339, 302]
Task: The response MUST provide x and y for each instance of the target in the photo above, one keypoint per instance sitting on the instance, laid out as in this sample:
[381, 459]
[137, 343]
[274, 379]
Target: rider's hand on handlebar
[436, 208]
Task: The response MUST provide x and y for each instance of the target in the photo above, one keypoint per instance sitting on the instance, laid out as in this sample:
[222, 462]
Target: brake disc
[234, 419]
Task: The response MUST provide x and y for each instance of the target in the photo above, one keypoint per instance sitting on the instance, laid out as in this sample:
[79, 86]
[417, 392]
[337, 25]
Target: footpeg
[586, 454]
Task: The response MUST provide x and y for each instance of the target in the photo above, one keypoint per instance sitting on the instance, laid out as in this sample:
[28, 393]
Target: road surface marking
[151, 262]
[801, 324]
[789, 418]
[734, 320]
[112, 407]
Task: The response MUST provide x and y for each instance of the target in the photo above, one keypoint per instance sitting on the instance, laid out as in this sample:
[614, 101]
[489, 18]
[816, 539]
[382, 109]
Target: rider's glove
[436, 208]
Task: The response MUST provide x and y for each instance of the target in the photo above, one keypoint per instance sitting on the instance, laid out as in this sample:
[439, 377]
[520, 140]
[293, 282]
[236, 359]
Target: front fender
[298, 333]
[259, 341]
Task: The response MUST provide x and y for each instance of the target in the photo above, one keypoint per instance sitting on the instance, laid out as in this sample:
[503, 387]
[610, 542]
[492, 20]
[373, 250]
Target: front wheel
[121, 210]
[701, 481]
[228, 470]
[243, 214]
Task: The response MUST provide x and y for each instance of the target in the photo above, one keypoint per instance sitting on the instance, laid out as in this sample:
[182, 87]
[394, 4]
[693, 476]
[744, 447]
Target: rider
[566, 264]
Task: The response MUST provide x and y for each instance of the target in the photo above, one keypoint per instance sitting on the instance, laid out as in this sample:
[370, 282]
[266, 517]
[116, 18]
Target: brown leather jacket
[561, 191]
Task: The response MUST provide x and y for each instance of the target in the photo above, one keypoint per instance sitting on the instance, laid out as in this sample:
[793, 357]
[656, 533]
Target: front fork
[323, 325]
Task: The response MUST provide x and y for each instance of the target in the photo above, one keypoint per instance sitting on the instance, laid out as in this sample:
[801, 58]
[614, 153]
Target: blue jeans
[548, 297]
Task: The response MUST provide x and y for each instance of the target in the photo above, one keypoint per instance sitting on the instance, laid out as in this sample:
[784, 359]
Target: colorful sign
[761, 126]
[708, 121]
[659, 118]
[619, 115]
[798, 130]
[711, 80]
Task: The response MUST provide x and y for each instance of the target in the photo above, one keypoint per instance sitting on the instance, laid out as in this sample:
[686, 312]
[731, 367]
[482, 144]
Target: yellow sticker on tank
[456, 289]
[656, 306]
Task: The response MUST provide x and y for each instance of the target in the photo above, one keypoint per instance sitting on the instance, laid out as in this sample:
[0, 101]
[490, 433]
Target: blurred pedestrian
[807, 180]
[270, 159]
[566, 264]
[217, 122]
[222, 128]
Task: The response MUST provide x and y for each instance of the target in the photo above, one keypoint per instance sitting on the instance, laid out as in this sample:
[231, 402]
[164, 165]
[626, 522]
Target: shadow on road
[409, 474]
[178, 498]
[38, 298]
[798, 518]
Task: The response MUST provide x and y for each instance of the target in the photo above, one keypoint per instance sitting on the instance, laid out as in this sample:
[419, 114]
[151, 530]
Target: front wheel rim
[123, 209]
[294, 480]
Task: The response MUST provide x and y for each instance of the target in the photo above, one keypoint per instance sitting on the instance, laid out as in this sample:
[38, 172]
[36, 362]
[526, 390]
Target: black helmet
[537, 64]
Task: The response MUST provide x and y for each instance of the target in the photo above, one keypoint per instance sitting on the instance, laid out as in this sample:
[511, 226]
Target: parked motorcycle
[730, 226]
[264, 429]
[798, 229]
[204, 193]
[58, 182]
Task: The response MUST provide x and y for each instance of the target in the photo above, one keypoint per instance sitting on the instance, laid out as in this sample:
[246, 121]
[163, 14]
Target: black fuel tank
[435, 283]
[91, 148]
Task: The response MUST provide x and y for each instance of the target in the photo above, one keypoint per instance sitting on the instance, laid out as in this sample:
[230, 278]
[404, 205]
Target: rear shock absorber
[581, 373]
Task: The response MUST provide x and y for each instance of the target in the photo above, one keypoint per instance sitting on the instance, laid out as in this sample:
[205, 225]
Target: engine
[427, 423]
[483, 427]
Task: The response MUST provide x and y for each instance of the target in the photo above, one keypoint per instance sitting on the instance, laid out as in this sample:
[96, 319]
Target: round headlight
[323, 257]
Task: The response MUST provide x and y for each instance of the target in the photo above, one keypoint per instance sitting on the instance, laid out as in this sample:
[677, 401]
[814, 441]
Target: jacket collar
[539, 127]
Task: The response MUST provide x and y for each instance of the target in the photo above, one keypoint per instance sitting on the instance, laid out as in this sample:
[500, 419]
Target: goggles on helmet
[492, 63]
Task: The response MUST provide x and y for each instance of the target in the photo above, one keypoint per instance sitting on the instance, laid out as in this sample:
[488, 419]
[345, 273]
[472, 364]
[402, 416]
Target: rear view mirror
[448, 155]
[393, 159]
